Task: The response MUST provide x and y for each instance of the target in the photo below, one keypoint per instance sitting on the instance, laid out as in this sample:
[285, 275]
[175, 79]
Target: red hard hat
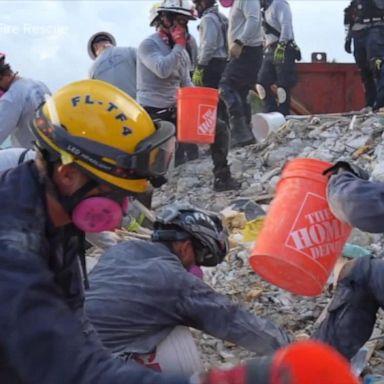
[310, 362]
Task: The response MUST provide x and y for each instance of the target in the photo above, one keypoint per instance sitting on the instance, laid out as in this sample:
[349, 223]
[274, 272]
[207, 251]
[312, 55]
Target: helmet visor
[151, 158]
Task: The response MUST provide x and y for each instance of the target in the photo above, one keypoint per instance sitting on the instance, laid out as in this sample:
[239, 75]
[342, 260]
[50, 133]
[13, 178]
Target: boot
[241, 134]
[221, 184]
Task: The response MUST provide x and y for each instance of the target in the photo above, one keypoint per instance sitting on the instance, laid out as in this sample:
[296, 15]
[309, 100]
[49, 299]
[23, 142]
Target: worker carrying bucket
[301, 238]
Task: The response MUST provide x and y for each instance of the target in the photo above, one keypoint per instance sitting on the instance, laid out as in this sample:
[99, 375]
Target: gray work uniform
[117, 66]
[278, 17]
[139, 291]
[162, 69]
[240, 74]
[17, 109]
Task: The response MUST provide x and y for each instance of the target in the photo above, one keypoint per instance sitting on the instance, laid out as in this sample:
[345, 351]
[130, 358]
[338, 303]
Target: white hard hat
[99, 36]
[182, 7]
[154, 13]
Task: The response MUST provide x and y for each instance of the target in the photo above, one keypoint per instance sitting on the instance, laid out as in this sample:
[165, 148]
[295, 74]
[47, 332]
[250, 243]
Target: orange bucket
[301, 239]
[197, 114]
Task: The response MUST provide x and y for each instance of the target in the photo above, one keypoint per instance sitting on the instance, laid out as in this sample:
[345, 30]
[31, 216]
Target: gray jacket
[17, 108]
[357, 202]
[139, 291]
[212, 38]
[117, 65]
[161, 70]
[245, 23]
[279, 16]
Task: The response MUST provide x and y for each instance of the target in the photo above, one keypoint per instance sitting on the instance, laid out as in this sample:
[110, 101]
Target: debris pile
[327, 137]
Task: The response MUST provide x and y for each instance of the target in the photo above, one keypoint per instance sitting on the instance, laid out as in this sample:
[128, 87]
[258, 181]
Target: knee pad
[281, 95]
[261, 91]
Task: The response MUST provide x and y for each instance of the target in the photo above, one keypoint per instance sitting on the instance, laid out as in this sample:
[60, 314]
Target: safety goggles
[151, 158]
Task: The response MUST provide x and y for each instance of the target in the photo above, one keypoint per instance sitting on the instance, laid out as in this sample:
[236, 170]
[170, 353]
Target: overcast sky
[46, 40]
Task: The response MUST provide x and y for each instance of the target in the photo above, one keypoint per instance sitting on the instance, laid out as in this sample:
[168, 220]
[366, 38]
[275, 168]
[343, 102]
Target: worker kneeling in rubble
[141, 291]
[360, 289]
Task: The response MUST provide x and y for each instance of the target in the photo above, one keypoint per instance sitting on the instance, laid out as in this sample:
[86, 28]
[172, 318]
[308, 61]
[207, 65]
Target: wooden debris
[360, 151]
[253, 294]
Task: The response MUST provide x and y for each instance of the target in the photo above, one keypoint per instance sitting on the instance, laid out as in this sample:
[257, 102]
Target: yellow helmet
[108, 135]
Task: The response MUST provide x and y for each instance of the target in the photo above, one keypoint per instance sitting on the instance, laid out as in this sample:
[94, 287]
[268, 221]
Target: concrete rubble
[327, 137]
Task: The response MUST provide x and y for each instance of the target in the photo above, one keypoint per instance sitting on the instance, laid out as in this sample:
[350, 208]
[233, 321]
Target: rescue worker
[245, 42]
[280, 54]
[115, 65]
[364, 20]
[164, 64]
[212, 59]
[46, 206]
[18, 103]
[153, 293]
[359, 294]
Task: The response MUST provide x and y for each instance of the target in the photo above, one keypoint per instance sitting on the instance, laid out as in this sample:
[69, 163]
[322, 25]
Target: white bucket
[265, 123]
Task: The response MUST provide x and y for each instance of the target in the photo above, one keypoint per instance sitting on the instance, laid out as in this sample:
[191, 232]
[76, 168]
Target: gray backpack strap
[22, 156]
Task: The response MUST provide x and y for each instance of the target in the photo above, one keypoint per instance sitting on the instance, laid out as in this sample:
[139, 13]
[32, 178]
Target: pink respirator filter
[97, 214]
[226, 3]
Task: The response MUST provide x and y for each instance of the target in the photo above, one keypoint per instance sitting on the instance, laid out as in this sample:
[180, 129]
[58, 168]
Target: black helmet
[205, 229]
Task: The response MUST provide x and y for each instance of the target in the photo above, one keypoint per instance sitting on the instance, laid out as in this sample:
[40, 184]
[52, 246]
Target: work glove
[179, 35]
[348, 45]
[343, 166]
[198, 76]
[279, 56]
[235, 50]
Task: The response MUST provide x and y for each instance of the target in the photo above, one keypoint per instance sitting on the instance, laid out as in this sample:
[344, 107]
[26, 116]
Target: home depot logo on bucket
[301, 239]
[207, 120]
[316, 234]
[196, 114]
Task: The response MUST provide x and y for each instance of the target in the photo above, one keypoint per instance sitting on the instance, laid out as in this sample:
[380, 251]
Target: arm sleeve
[186, 80]
[208, 39]
[252, 13]
[41, 338]
[284, 16]
[204, 309]
[9, 115]
[357, 202]
[162, 66]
